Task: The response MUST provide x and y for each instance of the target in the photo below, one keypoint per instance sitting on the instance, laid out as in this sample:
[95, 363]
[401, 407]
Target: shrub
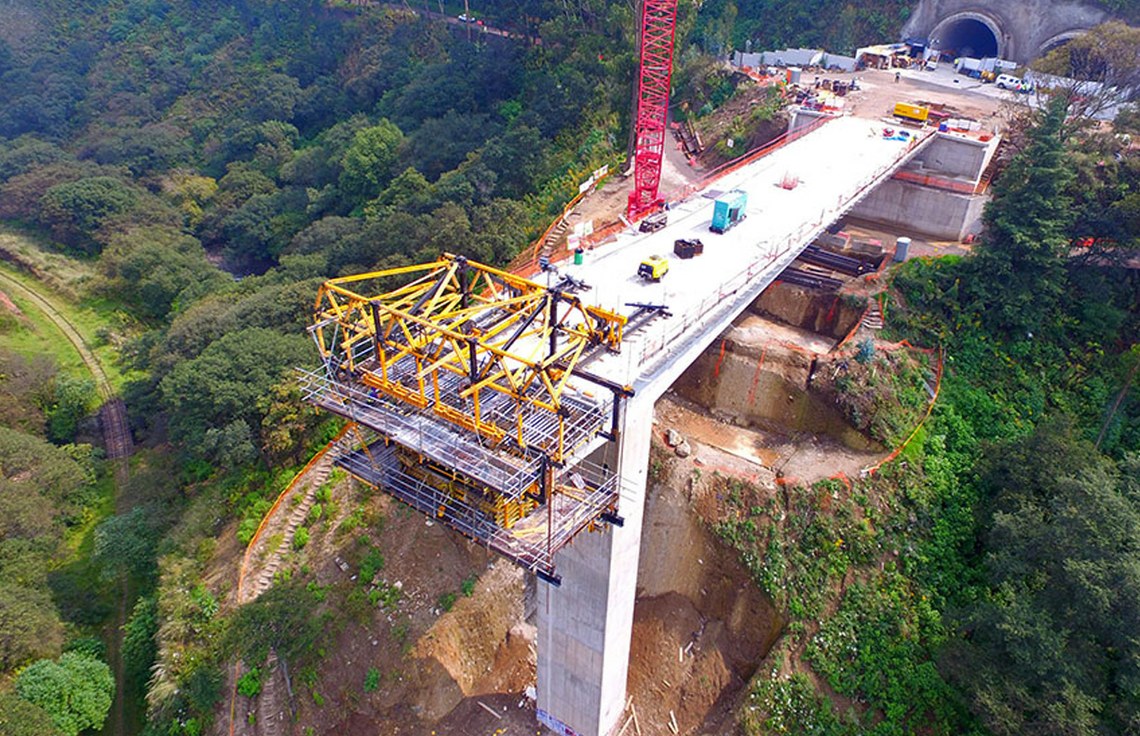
[372, 563]
[371, 680]
[249, 684]
[468, 586]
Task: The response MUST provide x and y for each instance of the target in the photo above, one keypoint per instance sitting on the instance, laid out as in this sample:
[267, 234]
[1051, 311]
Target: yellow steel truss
[457, 319]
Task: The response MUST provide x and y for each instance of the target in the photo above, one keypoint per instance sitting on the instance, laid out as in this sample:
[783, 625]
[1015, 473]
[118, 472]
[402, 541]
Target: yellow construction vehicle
[653, 268]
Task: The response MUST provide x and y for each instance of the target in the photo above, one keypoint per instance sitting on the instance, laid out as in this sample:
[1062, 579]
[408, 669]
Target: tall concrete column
[585, 626]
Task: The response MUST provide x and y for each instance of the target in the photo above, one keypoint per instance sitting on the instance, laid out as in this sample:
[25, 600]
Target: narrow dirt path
[113, 412]
[119, 446]
[102, 385]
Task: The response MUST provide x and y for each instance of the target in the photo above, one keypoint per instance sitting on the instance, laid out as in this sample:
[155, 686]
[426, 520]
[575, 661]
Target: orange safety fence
[257, 536]
[528, 266]
[602, 234]
[854, 328]
[929, 409]
[720, 360]
[756, 376]
[936, 182]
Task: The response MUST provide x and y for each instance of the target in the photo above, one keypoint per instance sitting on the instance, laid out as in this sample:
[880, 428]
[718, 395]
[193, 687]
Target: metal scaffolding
[464, 388]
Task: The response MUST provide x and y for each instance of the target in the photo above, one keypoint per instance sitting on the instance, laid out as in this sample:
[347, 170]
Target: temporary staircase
[267, 561]
[553, 238]
[873, 318]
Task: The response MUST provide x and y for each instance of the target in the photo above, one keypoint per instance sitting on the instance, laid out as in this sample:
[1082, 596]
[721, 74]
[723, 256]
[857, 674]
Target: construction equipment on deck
[683, 248]
[466, 398]
[728, 210]
[653, 268]
[654, 222]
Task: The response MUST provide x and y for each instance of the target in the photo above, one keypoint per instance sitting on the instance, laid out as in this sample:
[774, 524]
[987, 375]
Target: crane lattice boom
[658, 21]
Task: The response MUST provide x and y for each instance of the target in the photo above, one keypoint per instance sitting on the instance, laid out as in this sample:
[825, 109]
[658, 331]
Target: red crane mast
[658, 22]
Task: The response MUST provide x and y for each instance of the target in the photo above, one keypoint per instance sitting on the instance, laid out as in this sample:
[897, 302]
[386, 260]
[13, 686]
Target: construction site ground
[756, 454]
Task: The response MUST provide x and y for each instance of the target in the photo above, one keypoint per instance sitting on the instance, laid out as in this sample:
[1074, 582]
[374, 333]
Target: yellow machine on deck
[653, 268]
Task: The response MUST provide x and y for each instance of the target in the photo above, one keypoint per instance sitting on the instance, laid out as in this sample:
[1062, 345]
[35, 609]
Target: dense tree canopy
[221, 388]
[18, 717]
[1046, 651]
[75, 691]
[1020, 270]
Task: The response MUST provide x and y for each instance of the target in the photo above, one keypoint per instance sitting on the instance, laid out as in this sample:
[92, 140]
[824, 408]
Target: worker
[898, 76]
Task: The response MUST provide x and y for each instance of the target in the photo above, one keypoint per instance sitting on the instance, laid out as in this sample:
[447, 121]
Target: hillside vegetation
[188, 173]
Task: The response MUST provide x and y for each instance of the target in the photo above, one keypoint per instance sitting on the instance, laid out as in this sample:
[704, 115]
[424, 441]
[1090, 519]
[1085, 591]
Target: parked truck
[728, 210]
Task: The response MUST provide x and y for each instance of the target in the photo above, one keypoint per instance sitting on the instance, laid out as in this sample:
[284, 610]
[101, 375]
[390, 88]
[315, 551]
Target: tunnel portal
[1018, 31]
[967, 36]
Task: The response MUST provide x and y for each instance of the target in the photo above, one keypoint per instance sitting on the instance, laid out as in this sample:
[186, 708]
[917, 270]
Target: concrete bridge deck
[835, 166]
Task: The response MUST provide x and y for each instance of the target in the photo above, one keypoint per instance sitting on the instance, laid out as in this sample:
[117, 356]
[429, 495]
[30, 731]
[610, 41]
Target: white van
[1008, 81]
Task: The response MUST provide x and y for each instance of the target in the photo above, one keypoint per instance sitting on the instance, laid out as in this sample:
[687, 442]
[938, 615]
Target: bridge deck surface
[835, 165]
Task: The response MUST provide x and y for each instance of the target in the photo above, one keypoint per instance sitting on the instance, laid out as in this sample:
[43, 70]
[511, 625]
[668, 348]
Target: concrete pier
[584, 626]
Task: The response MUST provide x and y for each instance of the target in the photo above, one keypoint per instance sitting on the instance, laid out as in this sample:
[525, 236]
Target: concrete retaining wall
[923, 211]
[953, 155]
[822, 313]
[772, 393]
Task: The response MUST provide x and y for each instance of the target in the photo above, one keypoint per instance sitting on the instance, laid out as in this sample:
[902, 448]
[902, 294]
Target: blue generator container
[728, 210]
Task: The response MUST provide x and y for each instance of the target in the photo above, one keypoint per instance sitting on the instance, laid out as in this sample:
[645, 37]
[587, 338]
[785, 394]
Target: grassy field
[67, 284]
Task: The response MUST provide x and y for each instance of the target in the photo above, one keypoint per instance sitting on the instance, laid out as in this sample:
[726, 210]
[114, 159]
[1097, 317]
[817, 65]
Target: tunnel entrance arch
[969, 34]
[1060, 40]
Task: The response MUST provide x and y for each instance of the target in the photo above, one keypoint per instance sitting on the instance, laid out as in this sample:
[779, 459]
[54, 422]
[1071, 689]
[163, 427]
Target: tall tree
[1018, 270]
[1096, 71]
[1047, 650]
[368, 160]
[18, 717]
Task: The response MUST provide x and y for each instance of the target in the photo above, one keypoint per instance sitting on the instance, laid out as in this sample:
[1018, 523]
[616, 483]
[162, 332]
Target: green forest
[177, 178]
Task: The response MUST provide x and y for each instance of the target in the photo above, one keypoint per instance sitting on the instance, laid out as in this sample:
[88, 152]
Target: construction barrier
[936, 182]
